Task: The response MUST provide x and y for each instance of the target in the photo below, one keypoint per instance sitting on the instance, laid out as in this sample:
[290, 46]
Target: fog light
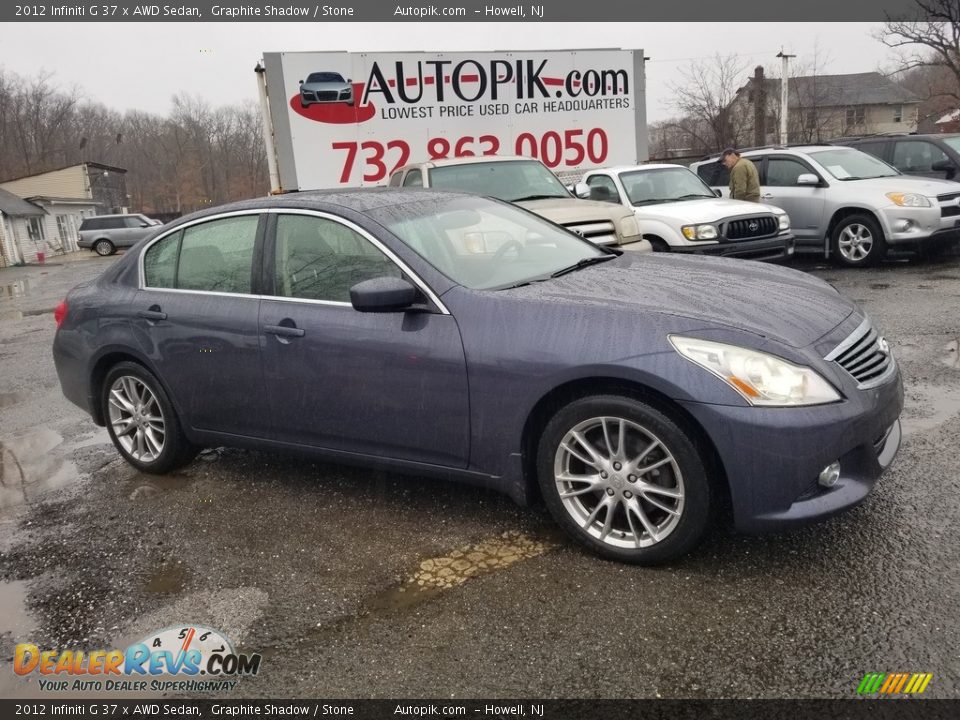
[830, 474]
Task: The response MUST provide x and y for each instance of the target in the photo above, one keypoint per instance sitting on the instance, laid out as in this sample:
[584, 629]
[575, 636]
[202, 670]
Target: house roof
[951, 116]
[11, 205]
[98, 166]
[869, 88]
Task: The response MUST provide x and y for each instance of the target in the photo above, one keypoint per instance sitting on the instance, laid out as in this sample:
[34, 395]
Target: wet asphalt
[360, 584]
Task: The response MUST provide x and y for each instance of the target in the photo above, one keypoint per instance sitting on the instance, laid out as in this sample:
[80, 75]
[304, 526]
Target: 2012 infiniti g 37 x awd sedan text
[446, 334]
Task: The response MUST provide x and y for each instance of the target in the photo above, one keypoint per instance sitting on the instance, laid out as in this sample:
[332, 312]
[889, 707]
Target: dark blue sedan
[457, 336]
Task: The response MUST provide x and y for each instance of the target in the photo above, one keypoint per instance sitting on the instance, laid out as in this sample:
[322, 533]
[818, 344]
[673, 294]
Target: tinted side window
[218, 255]
[160, 262]
[714, 174]
[916, 155]
[395, 179]
[414, 178]
[603, 188]
[783, 172]
[320, 259]
[116, 223]
[874, 148]
[133, 221]
[90, 224]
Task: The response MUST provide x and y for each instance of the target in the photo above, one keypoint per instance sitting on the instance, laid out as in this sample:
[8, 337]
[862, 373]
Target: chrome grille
[864, 355]
[754, 227]
[599, 232]
[948, 204]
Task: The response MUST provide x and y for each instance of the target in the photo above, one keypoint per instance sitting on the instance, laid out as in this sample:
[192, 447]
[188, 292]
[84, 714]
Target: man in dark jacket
[744, 179]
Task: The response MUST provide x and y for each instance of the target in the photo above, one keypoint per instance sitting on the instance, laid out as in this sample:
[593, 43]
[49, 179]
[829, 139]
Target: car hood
[931, 187]
[568, 210]
[701, 211]
[785, 305]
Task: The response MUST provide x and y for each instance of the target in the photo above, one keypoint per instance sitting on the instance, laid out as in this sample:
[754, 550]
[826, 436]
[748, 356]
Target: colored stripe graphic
[894, 683]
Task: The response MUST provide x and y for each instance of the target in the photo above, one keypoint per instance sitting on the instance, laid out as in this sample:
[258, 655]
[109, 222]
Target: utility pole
[784, 98]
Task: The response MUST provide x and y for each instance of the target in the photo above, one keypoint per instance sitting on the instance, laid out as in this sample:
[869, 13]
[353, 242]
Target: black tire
[857, 241]
[658, 245]
[104, 247]
[303, 104]
[175, 449]
[684, 471]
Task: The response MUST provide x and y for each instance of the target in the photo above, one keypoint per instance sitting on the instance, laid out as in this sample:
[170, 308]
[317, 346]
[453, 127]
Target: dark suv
[933, 156]
[105, 233]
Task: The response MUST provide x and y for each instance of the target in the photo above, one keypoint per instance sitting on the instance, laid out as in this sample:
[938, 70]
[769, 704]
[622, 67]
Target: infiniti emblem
[883, 346]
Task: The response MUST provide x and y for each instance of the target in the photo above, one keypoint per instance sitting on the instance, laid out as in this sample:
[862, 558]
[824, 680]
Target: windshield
[953, 142]
[482, 244]
[324, 77]
[511, 180]
[850, 164]
[645, 187]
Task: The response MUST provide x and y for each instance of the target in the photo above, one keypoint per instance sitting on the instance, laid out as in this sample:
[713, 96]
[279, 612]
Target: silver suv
[849, 204]
[106, 233]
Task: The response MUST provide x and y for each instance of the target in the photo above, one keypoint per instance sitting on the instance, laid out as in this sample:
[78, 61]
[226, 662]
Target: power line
[710, 57]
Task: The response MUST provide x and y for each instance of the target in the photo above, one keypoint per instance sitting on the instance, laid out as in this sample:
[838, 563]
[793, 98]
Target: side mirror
[718, 192]
[301, 82]
[942, 166]
[349, 80]
[145, 225]
[383, 294]
[581, 190]
[808, 179]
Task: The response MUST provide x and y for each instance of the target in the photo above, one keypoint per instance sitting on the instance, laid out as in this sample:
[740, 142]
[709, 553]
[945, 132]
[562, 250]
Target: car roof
[470, 160]
[634, 168]
[355, 199]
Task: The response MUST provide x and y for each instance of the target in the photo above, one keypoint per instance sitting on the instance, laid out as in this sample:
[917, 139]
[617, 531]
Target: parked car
[105, 233]
[934, 156]
[325, 87]
[530, 184]
[375, 327]
[846, 203]
[677, 212]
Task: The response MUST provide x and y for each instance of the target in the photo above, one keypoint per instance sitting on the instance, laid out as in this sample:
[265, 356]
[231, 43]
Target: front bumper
[918, 226]
[773, 456]
[781, 246]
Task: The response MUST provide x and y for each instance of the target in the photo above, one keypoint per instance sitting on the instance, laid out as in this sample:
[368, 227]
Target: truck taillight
[60, 312]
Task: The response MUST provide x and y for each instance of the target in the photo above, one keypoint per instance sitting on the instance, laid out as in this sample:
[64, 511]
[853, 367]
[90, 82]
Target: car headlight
[908, 199]
[762, 379]
[784, 221]
[699, 232]
[629, 227]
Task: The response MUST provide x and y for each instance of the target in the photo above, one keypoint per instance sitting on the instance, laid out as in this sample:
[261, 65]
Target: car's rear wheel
[141, 421]
[624, 480]
[858, 241]
[104, 248]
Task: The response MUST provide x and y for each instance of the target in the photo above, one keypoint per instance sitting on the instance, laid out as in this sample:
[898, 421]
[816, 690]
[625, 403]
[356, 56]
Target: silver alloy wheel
[103, 247]
[136, 419]
[619, 482]
[855, 242]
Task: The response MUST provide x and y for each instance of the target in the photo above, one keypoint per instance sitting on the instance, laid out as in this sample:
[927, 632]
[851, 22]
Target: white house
[21, 224]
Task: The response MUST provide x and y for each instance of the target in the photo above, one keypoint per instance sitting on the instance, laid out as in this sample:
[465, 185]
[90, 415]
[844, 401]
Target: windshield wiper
[536, 197]
[695, 195]
[653, 200]
[580, 264]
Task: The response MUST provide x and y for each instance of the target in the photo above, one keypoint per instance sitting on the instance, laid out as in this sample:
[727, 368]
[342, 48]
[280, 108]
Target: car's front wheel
[624, 479]
[858, 241]
[104, 248]
[141, 421]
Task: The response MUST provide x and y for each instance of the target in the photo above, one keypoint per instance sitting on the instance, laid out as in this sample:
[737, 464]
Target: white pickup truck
[530, 184]
[678, 212]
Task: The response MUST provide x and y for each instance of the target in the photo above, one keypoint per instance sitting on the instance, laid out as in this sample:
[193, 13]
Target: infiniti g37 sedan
[450, 335]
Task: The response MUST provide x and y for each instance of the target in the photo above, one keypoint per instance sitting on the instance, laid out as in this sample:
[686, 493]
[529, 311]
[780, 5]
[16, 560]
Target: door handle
[153, 313]
[284, 331]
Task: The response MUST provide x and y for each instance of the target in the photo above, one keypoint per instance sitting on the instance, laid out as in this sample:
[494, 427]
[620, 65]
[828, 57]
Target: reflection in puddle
[28, 467]
[146, 487]
[16, 289]
[938, 407]
[14, 619]
[952, 358]
[8, 399]
[442, 573]
[167, 579]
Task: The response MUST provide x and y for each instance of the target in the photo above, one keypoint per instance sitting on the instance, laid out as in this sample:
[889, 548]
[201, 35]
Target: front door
[385, 384]
[805, 204]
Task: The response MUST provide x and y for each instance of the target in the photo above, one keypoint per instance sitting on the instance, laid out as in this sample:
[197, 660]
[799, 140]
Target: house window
[898, 113]
[35, 229]
[855, 115]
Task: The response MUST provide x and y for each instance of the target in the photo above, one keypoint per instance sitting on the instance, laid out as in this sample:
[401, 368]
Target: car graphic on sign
[325, 87]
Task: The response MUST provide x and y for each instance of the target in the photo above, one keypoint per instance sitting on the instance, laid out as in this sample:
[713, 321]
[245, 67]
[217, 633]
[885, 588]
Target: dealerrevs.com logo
[894, 683]
[187, 658]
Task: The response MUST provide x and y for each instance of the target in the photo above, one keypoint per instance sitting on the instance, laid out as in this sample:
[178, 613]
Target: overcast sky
[141, 65]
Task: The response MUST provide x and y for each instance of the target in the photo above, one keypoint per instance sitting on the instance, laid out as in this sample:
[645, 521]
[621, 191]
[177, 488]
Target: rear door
[805, 204]
[384, 384]
[196, 315]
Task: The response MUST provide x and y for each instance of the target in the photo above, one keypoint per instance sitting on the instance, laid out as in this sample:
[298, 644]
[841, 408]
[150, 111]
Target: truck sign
[350, 119]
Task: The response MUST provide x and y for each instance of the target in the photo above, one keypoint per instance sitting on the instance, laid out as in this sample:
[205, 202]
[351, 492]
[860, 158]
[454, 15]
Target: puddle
[16, 289]
[167, 579]
[879, 286]
[952, 357]
[147, 487]
[938, 408]
[28, 468]
[8, 399]
[14, 619]
[435, 575]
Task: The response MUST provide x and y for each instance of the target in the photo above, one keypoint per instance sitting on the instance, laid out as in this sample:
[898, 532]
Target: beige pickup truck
[528, 183]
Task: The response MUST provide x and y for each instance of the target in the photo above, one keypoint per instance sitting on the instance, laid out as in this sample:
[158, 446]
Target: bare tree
[933, 42]
[705, 100]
